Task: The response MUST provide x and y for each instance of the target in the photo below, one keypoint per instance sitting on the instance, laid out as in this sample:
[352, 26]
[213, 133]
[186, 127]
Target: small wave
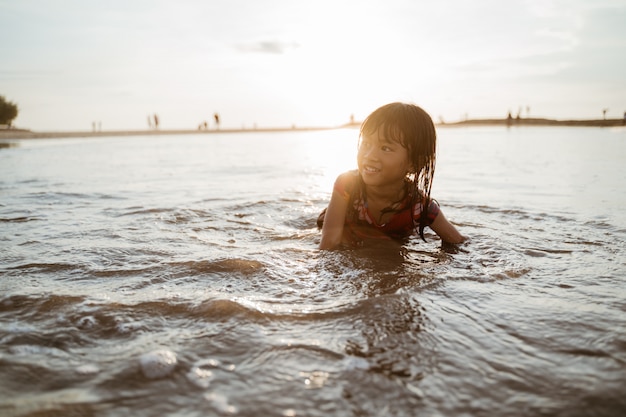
[599, 224]
[46, 267]
[126, 272]
[30, 350]
[35, 304]
[594, 353]
[516, 213]
[133, 211]
[47, 195]
[539, 253]
[229, 265]
[223, 309]
[302, 222]
[22, 219]
[252, 205]
[318, 350]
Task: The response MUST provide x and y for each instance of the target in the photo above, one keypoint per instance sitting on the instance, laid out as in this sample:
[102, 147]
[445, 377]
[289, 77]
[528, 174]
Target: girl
[389, 195]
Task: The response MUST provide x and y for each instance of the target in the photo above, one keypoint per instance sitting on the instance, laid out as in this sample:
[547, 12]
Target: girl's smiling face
[382, 162]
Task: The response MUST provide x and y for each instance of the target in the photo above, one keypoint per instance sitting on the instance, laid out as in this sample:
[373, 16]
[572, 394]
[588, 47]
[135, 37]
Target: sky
[280, 63]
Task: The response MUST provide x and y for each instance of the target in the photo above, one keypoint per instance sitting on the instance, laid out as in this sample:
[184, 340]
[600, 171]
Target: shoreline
[29, 134]
[537, 122]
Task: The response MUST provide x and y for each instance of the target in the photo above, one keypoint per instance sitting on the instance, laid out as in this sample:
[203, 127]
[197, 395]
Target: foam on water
[158, 364]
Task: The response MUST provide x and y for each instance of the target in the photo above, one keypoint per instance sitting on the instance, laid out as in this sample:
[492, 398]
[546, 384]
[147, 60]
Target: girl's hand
[446, 231]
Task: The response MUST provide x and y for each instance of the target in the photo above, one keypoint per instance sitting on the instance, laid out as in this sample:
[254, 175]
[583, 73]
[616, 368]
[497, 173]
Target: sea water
[180, 275]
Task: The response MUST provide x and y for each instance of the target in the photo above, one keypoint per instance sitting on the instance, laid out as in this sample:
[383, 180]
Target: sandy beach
[538, 122]
[30, 134]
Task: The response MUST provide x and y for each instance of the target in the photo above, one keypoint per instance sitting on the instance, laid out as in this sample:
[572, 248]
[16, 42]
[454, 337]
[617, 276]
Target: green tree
[8, 111]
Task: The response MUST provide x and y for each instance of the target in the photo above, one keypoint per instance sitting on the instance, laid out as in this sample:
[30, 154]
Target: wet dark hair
[413, 128]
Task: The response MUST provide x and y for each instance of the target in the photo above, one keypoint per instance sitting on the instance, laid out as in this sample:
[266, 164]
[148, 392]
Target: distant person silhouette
[156, 121]
[217, 120]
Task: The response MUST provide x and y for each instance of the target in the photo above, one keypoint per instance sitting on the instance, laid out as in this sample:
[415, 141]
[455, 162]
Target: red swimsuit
[360, 224]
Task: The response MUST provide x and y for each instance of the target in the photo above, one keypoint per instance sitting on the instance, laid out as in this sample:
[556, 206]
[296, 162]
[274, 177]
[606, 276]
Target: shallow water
[203, 248]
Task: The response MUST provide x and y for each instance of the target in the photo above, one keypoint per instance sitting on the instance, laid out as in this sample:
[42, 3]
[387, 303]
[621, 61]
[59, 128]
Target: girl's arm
[332, 230]
[446, 231]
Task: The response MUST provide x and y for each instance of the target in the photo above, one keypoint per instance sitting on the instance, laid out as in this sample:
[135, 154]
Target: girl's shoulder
[351, 176]
[347, 182]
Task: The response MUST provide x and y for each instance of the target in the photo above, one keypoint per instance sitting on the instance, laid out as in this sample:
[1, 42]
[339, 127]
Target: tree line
[8, 111]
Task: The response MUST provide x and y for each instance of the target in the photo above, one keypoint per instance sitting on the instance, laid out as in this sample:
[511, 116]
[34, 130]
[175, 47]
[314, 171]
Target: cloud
[268, 47]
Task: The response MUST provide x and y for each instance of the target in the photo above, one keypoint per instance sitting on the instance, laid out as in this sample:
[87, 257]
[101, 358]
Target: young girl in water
[386, 196]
